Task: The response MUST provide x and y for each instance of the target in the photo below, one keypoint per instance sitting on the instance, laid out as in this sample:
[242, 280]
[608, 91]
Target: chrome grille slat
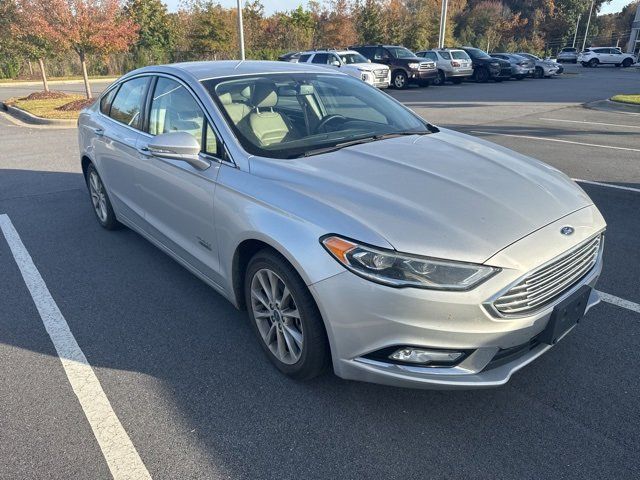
[544, 285]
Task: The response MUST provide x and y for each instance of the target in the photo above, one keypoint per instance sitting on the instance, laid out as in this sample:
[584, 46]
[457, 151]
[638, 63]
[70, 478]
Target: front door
[177, 197]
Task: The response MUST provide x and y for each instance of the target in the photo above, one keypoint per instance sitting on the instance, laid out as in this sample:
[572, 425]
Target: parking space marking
[610, 185]
[119, 452]
[620, 302]
[545, 139]
[589, 123]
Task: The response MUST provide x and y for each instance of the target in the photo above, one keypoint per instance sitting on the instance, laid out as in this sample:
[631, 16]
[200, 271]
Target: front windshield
[354, 57]
[477, 53]
[401, 52]
[289, 115]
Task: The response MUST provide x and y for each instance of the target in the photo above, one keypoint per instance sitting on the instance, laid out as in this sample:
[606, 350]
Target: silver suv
[568, 54]
[592, 57]
[452, 64]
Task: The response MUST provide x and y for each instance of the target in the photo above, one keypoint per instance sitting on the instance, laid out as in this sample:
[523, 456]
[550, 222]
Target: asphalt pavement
[192, 389]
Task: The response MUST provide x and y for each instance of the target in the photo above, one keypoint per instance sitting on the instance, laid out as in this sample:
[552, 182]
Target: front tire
[627, 63]
[400, 80]
[538, 72]
[100, 200]
[285, 317]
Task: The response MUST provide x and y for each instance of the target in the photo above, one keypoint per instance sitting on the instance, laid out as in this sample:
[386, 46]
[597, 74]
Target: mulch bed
[45, 95]
[76, 105]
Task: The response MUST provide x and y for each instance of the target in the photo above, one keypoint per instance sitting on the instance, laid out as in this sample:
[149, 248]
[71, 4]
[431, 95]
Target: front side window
[128, 102]
[173, 109]
[303, 58]
[352, 58]
[289, 115]
[401, 52]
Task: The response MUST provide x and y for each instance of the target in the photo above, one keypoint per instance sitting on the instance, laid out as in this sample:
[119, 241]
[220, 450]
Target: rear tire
[100, 200]
[400, 80]
[440, 79]
[285, 317]
[593, 63]
[482, 75]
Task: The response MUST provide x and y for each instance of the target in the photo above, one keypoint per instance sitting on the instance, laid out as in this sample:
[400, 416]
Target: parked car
[352, 63]
[521, 67]
[594, 56]
[318, 205]
[405, 67]
[289, 57]
[452, 64]
[543, 68]
[568, 54]
[486, 68]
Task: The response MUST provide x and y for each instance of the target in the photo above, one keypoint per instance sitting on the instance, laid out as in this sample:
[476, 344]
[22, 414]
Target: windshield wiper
[372, 138]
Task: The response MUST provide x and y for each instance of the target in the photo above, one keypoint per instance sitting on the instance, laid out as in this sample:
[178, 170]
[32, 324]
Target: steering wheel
[329, 118]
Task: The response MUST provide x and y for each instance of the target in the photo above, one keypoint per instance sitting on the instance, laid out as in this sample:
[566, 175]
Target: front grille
[541, 287]
[505, 72]
[427, 65]
[381, 72]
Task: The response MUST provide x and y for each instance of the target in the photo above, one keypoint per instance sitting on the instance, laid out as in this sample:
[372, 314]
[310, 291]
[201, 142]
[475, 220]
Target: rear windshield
[459, 55]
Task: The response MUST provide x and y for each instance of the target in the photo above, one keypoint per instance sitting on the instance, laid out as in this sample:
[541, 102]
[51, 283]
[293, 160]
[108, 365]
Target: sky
[271, 6]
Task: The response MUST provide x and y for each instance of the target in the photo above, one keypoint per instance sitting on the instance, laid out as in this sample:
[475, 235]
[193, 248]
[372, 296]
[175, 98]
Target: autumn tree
[84, 26]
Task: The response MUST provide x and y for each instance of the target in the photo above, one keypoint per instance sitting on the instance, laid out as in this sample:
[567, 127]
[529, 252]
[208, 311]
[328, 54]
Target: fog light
[424, 356]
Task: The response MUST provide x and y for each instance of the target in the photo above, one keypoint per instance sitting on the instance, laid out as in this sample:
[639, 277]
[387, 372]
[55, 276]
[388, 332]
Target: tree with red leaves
[85, 26]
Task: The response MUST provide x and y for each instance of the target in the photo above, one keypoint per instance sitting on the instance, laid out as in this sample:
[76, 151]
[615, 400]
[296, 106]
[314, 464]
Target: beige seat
[236, 111]
[268, 126]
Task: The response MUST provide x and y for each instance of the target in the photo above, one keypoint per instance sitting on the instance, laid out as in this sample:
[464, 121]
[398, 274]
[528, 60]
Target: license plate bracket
[566, 315]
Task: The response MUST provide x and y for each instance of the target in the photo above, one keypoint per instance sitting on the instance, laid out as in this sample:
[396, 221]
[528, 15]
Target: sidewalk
[35, 83]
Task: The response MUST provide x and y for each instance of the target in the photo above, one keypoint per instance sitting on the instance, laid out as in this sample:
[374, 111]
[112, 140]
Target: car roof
[338, 52]
[228, 68]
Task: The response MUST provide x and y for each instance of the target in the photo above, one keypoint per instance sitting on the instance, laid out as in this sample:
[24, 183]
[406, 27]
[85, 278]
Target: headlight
[414, 66]
[495, 64]
[401, 270]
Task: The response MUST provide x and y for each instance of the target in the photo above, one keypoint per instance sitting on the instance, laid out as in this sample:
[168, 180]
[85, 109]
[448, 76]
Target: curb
[29, 118]
[615, 107]
[35, 83]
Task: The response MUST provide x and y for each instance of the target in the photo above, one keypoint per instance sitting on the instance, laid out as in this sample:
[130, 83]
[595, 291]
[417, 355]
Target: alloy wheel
[277, 316]
[98, 196]
[400, 80]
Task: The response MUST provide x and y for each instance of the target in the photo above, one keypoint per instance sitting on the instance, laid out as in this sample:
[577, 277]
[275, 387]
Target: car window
[127, 104]
[400, 52]
[291, 114]
[303, 58]
[352, 57]
[459, 55]
[173, 109]
[106, 100]
[445, 55]
[320, 58]
[431, 56]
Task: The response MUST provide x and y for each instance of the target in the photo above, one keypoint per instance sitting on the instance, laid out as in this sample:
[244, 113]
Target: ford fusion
[357, 236]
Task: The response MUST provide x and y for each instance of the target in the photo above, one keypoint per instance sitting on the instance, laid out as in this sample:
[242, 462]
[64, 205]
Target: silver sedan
[357, 236]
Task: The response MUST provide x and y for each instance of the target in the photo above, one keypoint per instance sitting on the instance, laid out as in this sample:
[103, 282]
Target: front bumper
[363, 317]
[416, 76]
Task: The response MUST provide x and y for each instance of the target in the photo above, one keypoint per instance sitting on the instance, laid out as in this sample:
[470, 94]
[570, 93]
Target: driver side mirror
[368, 60]
[180, 146]
[335, 63]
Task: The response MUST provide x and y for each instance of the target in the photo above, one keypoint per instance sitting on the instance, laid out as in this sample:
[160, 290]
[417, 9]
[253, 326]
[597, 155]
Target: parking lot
[188, 383]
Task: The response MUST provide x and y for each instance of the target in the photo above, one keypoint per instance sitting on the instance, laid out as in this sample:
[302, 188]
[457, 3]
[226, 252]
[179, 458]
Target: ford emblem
[567, 230]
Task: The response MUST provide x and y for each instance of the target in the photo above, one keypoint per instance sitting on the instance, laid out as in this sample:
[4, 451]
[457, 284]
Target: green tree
[156, 34]
[369, 21]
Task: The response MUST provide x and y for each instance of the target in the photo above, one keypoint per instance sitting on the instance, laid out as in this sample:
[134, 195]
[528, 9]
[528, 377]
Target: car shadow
[134, 309]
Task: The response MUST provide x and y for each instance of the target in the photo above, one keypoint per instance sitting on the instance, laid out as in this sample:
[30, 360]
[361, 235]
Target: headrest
[246, 92]
[225, 98]
[264, 95]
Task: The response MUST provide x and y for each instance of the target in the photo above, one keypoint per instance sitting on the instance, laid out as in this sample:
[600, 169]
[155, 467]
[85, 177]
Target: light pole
[584, 42]
[443, 23]
[240, 31]
[575, 34]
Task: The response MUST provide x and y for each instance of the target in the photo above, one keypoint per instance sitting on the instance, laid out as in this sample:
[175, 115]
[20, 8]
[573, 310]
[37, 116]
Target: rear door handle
[144, 151]
[98, 131]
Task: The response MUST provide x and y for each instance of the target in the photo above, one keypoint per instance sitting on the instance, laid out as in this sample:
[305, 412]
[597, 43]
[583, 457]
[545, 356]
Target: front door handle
[144, 151]
[98, 131]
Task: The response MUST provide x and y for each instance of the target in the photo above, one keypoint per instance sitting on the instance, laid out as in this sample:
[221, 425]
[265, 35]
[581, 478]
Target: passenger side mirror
[335, 63]
[368, 60]
[180, 146]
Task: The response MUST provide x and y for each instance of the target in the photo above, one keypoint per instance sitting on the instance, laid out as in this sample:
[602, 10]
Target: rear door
[177, 197]
[115, 149]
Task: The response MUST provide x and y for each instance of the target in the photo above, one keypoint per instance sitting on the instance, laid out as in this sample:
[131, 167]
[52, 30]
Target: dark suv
[405, 66]
[486, 68]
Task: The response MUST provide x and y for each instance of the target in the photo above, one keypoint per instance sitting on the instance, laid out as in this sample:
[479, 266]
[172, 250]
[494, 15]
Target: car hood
[368, 67]
[444, 195]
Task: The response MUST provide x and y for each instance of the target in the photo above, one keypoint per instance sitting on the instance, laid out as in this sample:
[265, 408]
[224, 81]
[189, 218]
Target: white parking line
[120, 454]
[620, 302]
[609, 185]
[545, 139]
[590, 123]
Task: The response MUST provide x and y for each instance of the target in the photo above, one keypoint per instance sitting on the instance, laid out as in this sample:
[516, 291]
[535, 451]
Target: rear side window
[304, 58]
[431, 56]
[127, 104]
[459, 55]
[445, 55]
[320, 58]
[105, 101]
